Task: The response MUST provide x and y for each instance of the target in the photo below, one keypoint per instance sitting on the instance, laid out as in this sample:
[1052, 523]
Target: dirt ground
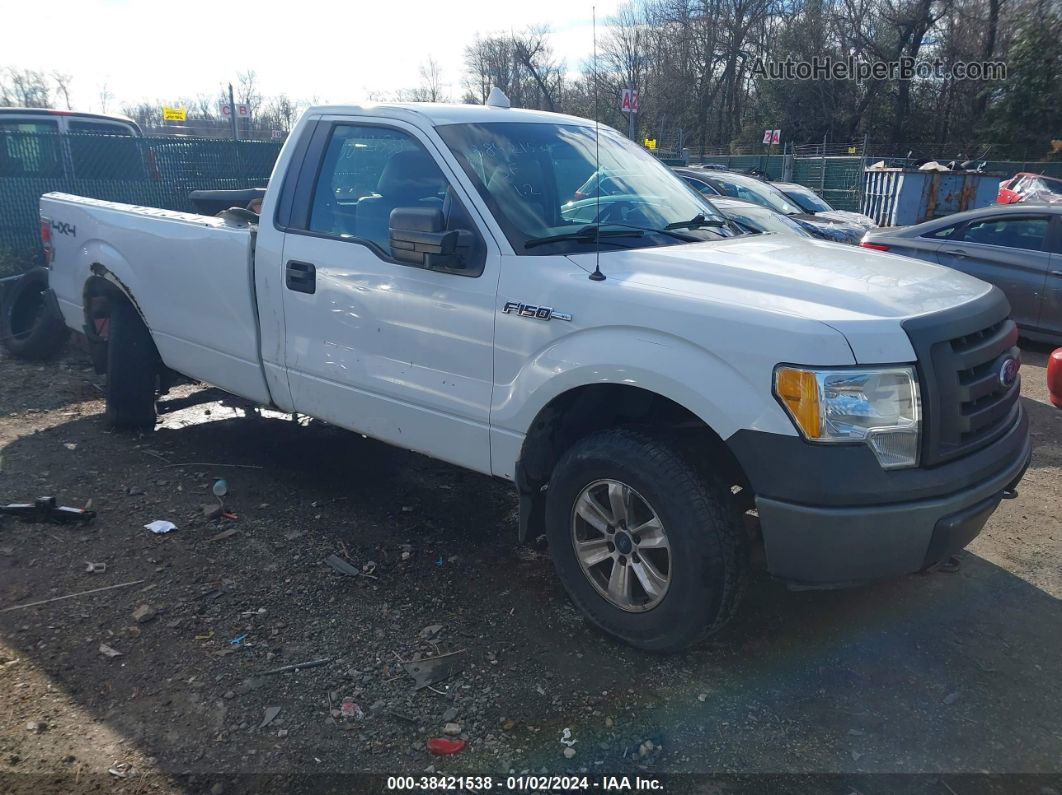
[941, 675]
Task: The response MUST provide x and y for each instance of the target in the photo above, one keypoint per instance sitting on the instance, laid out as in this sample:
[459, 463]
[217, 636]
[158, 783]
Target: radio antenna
[597, 275]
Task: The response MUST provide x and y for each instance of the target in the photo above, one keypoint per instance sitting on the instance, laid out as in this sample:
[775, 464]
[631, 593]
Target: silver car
[1018, 248]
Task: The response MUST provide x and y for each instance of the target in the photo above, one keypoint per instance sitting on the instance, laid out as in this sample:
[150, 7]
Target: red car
[1054, 377]
[1029, 188]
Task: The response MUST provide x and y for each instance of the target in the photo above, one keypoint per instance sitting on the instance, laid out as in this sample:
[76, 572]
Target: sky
[332, 51]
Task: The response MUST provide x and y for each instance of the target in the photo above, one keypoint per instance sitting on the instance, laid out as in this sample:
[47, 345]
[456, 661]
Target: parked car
[693, 178]
[1054, 377]
[1017, 248]
[741, 186]
[37, 142]
[757, 218]
[1026, 188]
[810, 202]
[663, 394]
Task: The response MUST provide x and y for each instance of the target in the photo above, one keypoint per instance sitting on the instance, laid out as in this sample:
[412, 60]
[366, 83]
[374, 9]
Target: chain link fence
[835, 170]
[152, 172]
[161, 172]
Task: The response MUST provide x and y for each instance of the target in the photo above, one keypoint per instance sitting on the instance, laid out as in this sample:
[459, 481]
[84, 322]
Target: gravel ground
[941, 675]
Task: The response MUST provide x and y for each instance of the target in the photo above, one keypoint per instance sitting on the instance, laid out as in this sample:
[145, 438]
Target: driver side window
[368, 171]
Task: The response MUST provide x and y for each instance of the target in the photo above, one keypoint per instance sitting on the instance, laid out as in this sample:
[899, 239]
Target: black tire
[132, 370]
[709, 558]
[29, 327]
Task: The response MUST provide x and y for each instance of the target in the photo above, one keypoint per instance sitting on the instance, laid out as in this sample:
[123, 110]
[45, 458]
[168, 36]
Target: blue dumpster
[903, 196]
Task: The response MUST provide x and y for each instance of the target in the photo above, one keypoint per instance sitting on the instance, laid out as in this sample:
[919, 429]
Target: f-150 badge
[531, 310]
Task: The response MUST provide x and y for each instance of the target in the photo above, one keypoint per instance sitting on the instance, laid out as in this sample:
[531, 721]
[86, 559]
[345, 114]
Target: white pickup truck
[672, 399]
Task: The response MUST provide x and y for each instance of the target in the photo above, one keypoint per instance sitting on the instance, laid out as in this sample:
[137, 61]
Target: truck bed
[192, 277]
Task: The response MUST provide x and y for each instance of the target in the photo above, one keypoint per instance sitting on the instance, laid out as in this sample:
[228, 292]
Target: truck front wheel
[646, 545]
[132, 370]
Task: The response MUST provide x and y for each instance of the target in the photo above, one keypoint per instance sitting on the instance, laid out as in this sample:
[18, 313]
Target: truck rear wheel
[645, 544]
[132, 370]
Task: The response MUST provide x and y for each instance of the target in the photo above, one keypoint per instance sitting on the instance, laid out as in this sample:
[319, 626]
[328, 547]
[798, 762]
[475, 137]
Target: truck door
[397, 352]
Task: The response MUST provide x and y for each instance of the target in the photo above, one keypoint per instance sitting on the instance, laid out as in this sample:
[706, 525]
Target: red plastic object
[1054, 376]
[443, 745]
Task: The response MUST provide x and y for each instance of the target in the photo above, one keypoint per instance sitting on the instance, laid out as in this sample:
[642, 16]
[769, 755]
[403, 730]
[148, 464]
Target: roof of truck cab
[438, 113]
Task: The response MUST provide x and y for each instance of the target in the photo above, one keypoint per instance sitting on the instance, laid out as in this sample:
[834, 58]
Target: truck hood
[863, 294]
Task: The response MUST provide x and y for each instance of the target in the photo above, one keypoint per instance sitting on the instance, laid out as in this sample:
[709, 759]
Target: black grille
[961, 353]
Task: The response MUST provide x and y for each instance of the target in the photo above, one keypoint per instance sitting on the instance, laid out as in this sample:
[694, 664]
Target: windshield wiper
[696, 221]
[585, 234]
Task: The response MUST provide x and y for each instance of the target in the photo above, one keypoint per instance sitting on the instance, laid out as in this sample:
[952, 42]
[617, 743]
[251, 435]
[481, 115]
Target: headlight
[878, 406]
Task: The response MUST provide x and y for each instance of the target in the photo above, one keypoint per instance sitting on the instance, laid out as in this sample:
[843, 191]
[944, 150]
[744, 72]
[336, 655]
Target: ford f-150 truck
[672, 399]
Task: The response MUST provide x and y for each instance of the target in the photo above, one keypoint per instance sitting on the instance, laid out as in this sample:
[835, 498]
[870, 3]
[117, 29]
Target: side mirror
[418, 238]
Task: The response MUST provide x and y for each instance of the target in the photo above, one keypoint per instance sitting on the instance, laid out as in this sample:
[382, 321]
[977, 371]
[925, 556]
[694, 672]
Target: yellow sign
[174, 114]
[650, 143]
[851, 150]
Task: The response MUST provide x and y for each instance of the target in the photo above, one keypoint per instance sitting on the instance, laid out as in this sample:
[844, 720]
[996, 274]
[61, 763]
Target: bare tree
[105, 96]
[431, 81]
[62, 82]
[248, 93]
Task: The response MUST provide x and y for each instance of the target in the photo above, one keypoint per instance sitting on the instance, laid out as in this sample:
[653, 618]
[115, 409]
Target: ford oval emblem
[1008, 371]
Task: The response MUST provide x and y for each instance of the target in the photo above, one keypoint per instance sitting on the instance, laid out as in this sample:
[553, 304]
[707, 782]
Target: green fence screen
[152, 172]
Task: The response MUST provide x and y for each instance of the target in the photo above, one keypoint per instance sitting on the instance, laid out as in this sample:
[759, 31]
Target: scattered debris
[432, 669]
[349, 709]
[70, 445]
[95, 568]
[144, 613]
[431, 630]
[120, 769]
[452, 729]
[160, 526]
[450, 714]
[443, 746]
[220, 489]
[567, 739]
[297, 667]
[225, 534]
[569, 752]
[211, 511]
[205, 636]
[269, 716]
[71, 596]
[107, 651]
[37, 726]
[238, 640]
[342, 566]
[45, 509]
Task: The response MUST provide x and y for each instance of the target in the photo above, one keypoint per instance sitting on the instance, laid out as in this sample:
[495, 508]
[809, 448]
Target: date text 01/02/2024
[524, 783]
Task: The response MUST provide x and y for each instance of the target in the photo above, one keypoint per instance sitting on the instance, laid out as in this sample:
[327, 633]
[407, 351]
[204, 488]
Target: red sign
[242, 111]
[629, 102]
[776, 137]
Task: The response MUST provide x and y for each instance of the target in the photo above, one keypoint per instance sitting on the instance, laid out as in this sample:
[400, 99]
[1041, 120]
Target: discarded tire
[29, 327]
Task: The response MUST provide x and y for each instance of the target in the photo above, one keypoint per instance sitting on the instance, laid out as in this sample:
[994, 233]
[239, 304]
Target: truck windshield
[541, 182]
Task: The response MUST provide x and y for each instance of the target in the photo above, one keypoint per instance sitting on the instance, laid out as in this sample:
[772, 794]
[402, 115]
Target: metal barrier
[153, 172]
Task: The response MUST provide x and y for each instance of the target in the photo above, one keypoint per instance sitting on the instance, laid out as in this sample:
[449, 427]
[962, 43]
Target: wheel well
[579, 412]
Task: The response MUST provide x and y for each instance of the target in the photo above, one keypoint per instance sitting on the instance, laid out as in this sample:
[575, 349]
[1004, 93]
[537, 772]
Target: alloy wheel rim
[621, 545]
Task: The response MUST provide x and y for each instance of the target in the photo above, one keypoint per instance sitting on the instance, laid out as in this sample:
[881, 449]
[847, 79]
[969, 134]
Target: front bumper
[833, 544]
